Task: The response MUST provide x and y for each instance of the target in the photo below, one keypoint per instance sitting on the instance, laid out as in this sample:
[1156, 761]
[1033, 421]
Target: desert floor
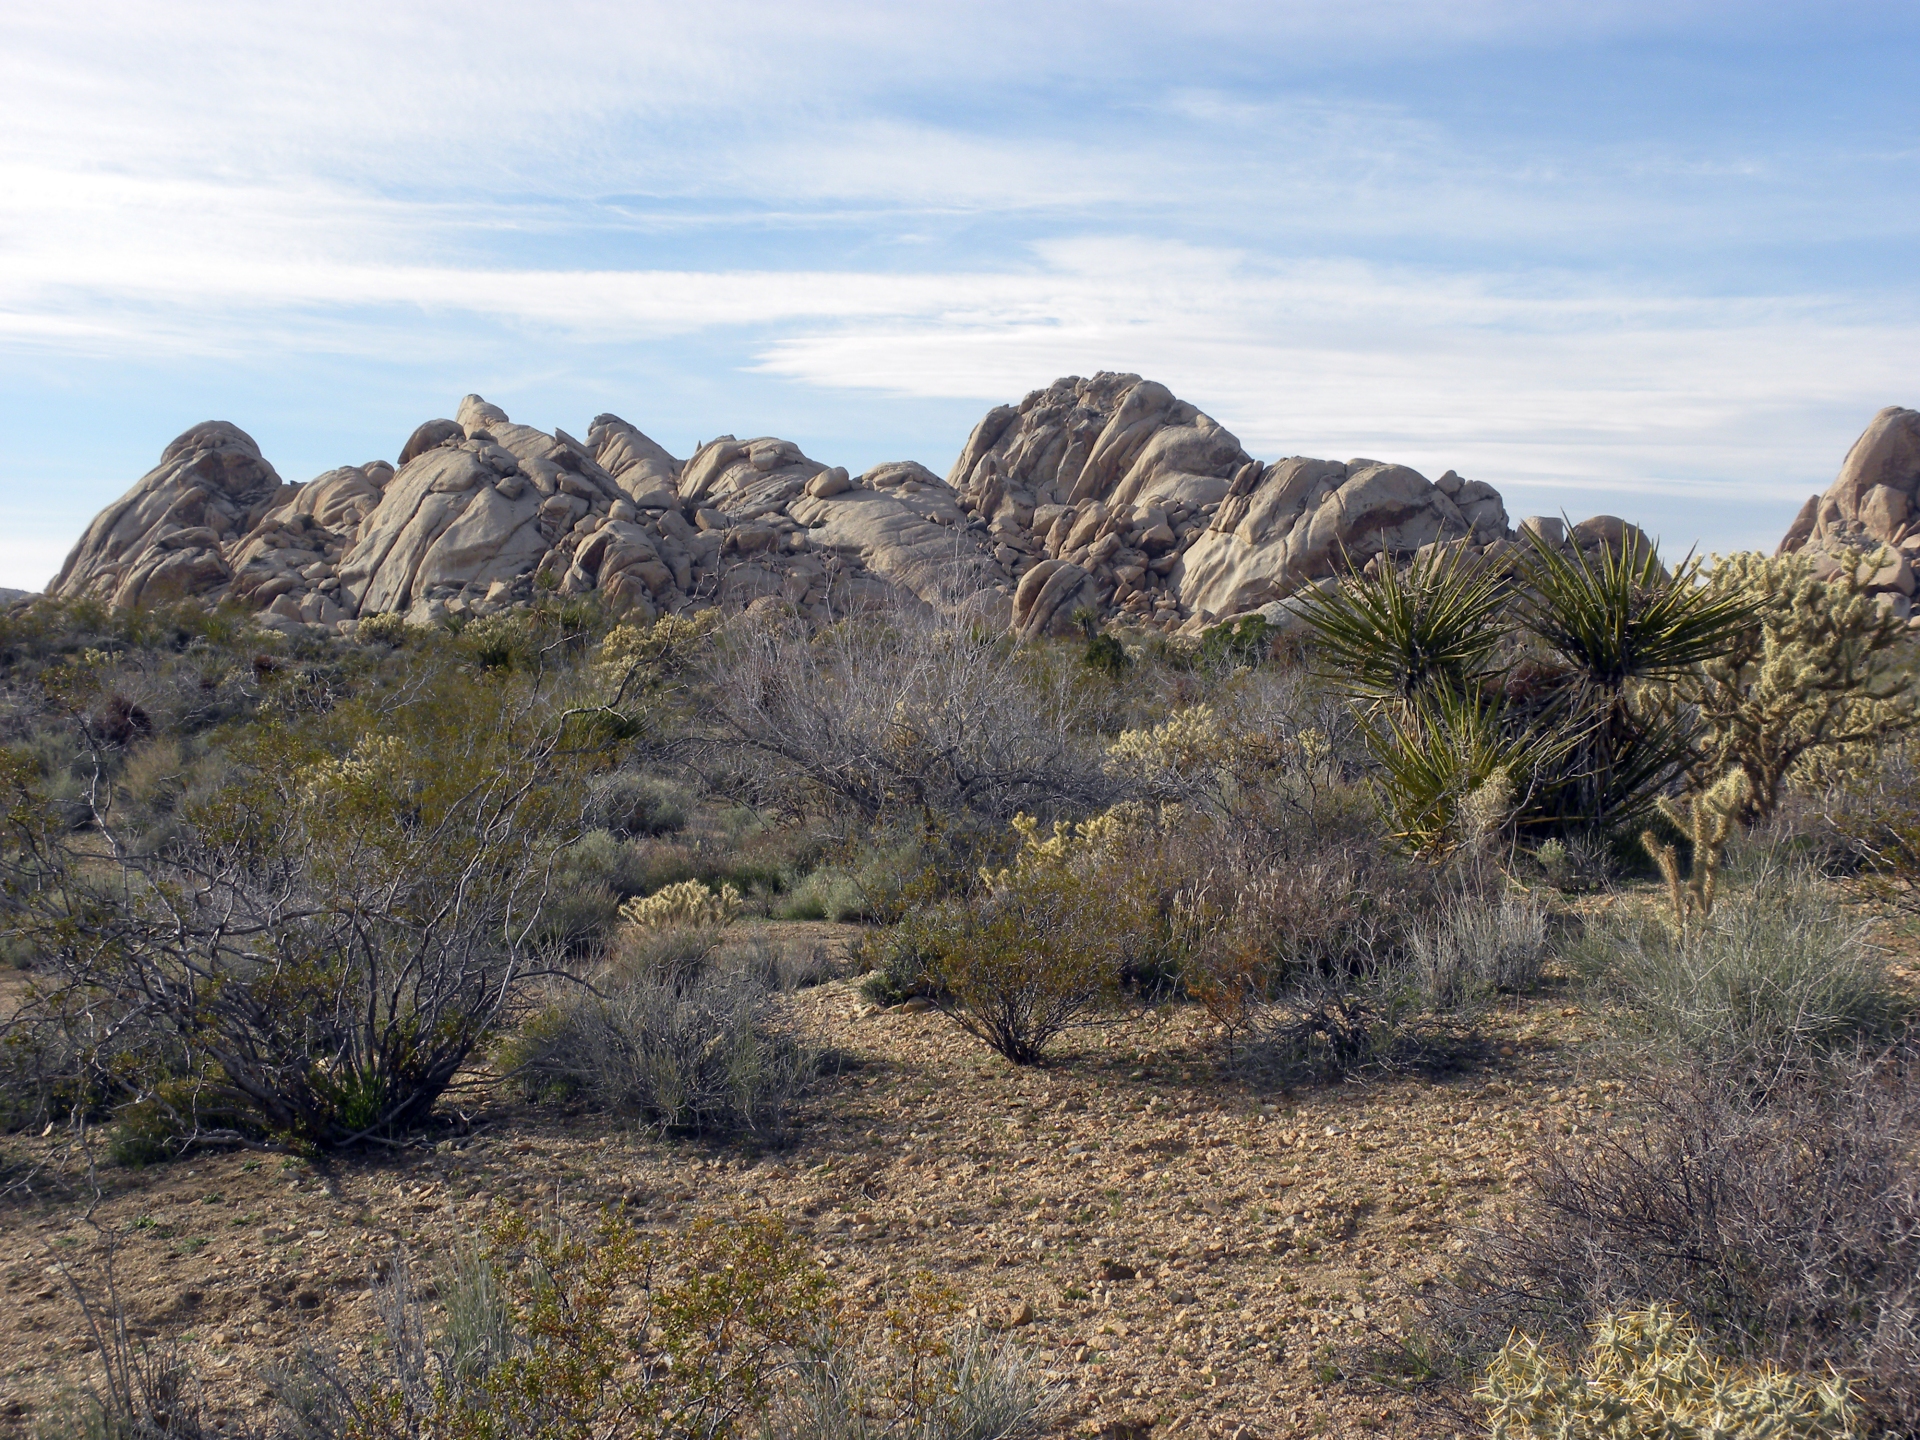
[1176, 1250]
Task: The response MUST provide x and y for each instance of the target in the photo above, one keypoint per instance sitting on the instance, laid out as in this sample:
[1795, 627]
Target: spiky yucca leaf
[1621, 617]
[1442, 759]
[1394, 638]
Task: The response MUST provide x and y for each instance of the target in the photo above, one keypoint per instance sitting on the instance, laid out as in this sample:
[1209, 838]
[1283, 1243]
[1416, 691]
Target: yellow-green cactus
[1647, 1377]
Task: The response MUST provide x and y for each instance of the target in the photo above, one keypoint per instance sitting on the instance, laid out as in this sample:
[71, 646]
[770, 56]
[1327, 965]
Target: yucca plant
[1619, 617]
[1394, 638]
[1617, 625]
[1453, 771]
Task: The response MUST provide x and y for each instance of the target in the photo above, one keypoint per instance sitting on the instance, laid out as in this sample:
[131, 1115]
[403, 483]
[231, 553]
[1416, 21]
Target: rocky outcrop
[169, 536]
[1868, 521]
[1299, 520]
[1107, 497]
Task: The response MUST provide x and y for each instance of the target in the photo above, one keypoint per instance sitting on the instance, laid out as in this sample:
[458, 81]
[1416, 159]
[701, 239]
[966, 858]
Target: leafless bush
[686, 1042]
[904, 710]
[1312, 968]
[1786, 1224]
[1474, 944]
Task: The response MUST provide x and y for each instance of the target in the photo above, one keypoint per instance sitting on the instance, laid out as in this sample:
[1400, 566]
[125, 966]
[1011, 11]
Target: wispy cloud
[1582, 250]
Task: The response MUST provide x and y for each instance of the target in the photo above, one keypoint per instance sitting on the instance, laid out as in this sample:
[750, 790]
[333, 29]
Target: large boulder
[1868, 521]
[1301, 520]
[1875, 499]
[163, 539]
[1109, 496]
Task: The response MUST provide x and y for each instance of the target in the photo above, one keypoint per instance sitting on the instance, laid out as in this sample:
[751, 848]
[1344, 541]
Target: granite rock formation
[1107, 497]
[1868, 521]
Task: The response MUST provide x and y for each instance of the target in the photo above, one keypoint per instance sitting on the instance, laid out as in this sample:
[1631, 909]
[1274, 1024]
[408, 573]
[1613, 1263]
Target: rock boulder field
[1108, 496]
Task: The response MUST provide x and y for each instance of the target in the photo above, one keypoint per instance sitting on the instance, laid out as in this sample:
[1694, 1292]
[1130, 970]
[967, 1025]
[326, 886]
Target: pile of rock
[1868, 521]
[1107, 496]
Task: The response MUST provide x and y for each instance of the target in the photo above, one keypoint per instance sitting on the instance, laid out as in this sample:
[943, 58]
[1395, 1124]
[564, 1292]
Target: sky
[1648, 259]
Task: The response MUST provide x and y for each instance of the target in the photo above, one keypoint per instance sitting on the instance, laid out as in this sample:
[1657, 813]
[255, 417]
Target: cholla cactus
[1070, 841]
[1194, 745]
[1807, 683]
[1646, 1374]
[1707, 821]
[374, 761]
[687, 903]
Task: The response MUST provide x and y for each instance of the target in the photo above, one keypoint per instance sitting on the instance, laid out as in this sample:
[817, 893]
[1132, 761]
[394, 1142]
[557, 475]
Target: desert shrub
[1200, 757]
[1243, 642]
[330, 932]
[603, 1333]
[1041, 945]
[688, 903]
[591, 878]
[1874, 815]
[1647, 1373]
[828, 893]
[141, 1393]
[1786, 1223]
[1807, 684]
[1310, 967]
[963, 1384]
[904, 713]
[1475, 945]
[687, 1043]
[720, 1331]
[1105, 654]
[631, 804]
[1777, 975]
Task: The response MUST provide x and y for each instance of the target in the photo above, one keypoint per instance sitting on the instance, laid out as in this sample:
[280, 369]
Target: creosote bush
[1042, 944]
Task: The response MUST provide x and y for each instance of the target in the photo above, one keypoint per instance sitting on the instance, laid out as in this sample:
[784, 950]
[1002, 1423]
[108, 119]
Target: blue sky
[1656, 259]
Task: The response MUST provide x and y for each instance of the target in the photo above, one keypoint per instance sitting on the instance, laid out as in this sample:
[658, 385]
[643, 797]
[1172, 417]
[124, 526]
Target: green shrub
[607, 1333]
[1244, 642]
[1776, 975]
[1107, 655]
[631, 804]
[329, 933]
[721, 1331]
[1647, 1373]
[828, 893]
[1045, 943]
